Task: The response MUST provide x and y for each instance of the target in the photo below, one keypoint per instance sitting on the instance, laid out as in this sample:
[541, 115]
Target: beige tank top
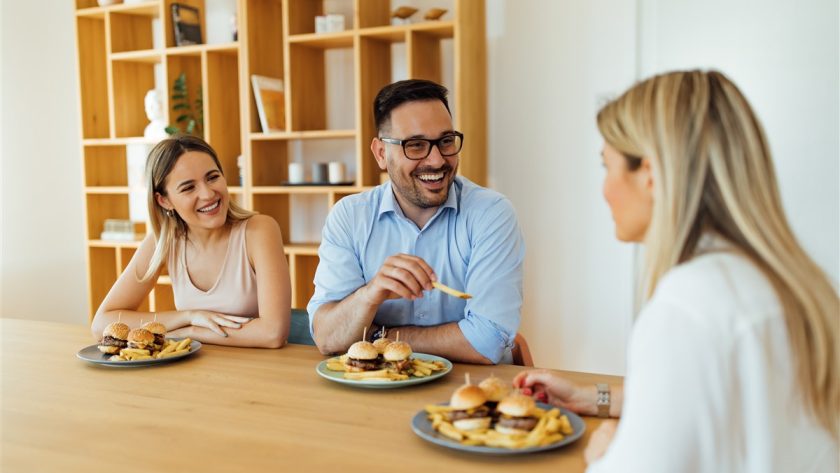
[235, 290]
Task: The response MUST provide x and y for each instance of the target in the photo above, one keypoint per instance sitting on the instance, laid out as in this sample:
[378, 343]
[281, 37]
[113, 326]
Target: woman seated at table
[229, 274]
[732, 364]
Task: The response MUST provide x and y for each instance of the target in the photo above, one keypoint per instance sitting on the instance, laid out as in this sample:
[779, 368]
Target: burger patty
[115, 342]
[521, 423]
[477, 413]
[363, 364]
[159, 339]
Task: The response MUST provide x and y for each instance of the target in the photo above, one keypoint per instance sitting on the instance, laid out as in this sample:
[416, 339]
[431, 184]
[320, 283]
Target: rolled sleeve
[494, 278]
[339, 271]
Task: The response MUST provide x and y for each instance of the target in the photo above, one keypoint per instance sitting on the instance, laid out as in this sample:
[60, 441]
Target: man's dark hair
[393, 95]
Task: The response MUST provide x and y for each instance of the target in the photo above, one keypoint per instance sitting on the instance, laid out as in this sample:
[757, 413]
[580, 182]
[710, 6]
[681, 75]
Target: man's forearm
[337, 325]
[444, 340]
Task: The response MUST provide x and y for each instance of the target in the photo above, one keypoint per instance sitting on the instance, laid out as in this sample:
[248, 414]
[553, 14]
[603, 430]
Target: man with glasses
[382, 249]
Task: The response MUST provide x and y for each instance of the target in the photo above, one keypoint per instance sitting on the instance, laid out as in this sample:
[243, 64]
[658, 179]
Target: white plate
[421, 426]
[93, 355]
[338, 376]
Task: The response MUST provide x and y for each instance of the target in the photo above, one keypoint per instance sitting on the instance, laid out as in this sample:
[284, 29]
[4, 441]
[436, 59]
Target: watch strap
[603, 400]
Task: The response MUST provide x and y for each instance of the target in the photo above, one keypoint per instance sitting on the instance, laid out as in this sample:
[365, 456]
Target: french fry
[142, 357]
[382, 374]
[448, 430]
[185, 343]
[168, 348]
[450, 291]
[174, 353]
[335, 366]
[435, 409]
[565, 426]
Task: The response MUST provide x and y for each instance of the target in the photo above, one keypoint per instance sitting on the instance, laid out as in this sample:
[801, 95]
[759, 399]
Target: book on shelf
[186, 24]
[270, 99]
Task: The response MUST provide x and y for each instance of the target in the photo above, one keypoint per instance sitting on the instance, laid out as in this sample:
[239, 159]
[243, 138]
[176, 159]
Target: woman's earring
[170, 213]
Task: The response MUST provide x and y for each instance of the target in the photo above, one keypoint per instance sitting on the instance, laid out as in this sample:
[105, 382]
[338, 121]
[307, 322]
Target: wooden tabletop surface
[223, 409]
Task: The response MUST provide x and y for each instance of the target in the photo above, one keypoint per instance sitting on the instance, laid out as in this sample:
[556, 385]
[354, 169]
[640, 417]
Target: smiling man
[382, 249]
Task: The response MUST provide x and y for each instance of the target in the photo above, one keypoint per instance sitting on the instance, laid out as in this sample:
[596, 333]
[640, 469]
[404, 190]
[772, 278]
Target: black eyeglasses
[419, 148]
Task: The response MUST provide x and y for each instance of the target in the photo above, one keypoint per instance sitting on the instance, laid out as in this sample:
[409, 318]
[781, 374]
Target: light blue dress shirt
[473, 243]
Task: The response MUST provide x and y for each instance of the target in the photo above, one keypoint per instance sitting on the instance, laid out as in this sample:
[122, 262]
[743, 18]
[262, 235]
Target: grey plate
[338, 376]
[93, 355]
[421, 426]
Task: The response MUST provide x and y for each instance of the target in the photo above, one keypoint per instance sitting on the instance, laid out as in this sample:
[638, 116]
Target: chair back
[299, 329]
[521, 353]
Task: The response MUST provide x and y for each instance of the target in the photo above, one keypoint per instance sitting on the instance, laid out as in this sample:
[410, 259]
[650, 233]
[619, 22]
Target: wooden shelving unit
[118, 60]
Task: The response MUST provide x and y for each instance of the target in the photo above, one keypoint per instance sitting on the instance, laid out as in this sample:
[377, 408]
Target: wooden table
[223, 409]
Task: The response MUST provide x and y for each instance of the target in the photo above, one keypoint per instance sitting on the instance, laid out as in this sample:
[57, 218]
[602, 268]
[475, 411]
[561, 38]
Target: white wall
[43, 259]
[550, 65]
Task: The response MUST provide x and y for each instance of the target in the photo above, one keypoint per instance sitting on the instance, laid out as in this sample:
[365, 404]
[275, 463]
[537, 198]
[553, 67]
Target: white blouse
[710, 383]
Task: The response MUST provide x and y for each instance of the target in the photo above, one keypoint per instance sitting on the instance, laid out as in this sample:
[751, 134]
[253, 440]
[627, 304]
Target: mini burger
[159, 331]
[362, 356]
[114, 338]
[468, 409]
[397, 357]
[516, 415]
[495, 389]
[381, 343]
[141, 339]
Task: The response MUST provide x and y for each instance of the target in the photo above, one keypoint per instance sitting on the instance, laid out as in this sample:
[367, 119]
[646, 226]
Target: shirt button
[420, 314]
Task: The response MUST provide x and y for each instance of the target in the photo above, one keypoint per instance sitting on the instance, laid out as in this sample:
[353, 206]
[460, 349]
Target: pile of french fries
[170, 348]
[551, 428]
[420, 369]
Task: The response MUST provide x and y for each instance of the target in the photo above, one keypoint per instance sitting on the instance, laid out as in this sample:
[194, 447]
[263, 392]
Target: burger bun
[472, 423]
[109, 349]
[468, 396]
[116, 330]
[494, 388]
[397, 351]
[516, 405]
[362, 351]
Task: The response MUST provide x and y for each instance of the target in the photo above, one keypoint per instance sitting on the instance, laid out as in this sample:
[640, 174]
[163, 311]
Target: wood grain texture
[224, 409]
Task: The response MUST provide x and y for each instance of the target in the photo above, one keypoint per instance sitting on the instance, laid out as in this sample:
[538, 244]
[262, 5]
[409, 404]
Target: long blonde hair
[713, 172]
[167, 228]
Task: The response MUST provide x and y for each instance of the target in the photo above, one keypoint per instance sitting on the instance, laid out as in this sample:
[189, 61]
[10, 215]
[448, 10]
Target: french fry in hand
[450, 291]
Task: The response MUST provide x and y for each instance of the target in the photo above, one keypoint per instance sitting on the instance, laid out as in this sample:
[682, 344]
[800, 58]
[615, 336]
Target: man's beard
[414, 192]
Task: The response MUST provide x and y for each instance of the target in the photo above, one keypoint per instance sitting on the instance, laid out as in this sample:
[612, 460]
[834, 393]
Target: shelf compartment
[105, 166]
[221, 105]
[269, 163]
[373, 13]
[277, 207]
[93, 77]
[130, 32]
[163, 299]
[197, 49]
[376, 72]
[191, 67]
[131, 82]
[302, 13]
[92, 8]
[303, 268]
[104, 206]
[167, 19]
[321, 88]
[265, 28]
[102, 274]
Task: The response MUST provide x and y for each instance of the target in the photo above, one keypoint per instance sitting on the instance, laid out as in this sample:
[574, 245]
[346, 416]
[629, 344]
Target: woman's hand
[545, 386]
[215, 321]
[600, 441]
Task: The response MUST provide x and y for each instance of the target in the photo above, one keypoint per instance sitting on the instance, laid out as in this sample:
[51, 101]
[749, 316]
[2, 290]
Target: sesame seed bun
[516, 405]
[381, 343]
[397, 351]
[362, 351]
[156, 328]
[117, 330]
[494, 388]
[467, 396]
[140, 338]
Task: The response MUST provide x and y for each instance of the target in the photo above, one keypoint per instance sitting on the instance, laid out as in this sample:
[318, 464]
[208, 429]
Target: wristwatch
[377, 334]
[603, 399]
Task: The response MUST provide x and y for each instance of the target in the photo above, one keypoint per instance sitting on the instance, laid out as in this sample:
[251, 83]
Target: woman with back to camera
[732, 364]
[229, 274]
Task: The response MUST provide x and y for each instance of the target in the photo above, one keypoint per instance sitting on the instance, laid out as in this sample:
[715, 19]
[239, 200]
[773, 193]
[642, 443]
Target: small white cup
[295, 173]
[336, 172]
[321, 24]
[335, 23]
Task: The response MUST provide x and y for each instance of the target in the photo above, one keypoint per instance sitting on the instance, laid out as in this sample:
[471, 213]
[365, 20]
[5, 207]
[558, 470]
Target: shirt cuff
[486, 337]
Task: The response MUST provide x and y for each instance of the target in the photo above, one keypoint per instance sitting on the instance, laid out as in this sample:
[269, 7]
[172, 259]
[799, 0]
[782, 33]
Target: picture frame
[269, 96]
[186, 24]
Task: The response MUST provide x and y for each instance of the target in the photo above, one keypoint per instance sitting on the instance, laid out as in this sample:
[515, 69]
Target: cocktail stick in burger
[114, 338]
[381, 343]
[516, 415]
[468, 409]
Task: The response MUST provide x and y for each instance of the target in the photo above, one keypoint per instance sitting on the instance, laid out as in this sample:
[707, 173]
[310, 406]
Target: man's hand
[401, 276]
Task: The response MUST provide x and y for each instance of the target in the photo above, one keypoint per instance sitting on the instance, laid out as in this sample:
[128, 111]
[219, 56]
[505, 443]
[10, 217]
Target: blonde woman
[229, 274]
[733, 362]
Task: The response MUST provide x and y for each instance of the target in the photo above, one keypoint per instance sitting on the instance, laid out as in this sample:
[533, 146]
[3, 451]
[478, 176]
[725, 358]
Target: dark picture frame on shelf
[186, 24]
